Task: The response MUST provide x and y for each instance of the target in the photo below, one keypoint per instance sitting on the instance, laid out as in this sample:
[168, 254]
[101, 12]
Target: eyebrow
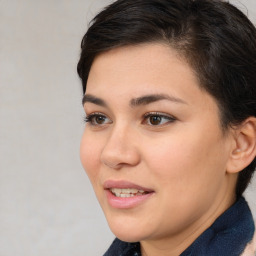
[147, 99]
[143, 100]
[92, 99]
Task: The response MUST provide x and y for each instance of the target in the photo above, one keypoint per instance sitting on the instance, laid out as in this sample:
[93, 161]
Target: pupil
[155, 120]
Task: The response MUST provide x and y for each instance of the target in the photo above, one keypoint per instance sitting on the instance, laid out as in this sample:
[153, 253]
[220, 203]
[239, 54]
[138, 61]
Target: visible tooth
[129, 190]
[116, 190]
[126, 192]
[125, 195]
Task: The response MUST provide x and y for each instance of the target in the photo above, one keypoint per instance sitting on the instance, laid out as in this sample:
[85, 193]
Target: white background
[47, 205]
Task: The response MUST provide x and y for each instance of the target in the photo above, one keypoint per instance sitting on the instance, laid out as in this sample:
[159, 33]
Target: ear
[243, 151]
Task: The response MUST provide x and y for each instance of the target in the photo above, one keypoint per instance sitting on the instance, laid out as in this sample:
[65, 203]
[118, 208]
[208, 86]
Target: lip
[125, 202]
[124, 184]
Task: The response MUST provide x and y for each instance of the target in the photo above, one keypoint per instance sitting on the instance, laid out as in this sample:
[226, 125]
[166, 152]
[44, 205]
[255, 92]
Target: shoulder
[250, 249]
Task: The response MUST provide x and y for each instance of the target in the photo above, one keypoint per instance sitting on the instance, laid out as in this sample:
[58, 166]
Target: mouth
[125, 195]
[127, 192]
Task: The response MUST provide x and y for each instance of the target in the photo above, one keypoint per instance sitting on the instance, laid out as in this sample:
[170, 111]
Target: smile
[127, 192]
[125, 195]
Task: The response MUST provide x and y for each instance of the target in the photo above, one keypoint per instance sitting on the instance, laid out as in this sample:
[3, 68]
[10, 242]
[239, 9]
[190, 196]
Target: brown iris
[99, 119]
[155, 120]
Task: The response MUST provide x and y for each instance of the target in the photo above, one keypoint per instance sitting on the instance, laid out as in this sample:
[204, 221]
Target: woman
[170, 140]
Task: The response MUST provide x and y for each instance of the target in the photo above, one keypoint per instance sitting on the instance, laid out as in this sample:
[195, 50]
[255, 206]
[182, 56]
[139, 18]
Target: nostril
[112, 165]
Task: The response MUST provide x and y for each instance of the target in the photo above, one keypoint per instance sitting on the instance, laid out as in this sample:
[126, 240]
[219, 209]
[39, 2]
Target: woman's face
[153, 147]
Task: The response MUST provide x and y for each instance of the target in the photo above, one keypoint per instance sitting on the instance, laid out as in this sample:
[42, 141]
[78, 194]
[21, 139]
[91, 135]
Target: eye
[97, 119]
[157, 119]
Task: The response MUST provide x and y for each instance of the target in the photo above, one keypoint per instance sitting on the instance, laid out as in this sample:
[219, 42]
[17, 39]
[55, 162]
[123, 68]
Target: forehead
[142, 69]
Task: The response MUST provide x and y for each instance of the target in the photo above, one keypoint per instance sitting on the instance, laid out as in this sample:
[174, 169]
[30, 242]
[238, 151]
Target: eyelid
[159, 114]
[95, 113]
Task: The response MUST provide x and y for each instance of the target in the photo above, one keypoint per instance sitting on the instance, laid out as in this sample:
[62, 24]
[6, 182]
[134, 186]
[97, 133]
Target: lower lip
[126, 202]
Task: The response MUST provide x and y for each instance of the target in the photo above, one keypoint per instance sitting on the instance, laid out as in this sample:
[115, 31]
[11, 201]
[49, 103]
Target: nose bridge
[120, 148]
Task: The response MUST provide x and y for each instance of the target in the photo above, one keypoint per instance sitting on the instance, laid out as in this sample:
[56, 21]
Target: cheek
[187, 162]
[188, 173]
[170, 155]
[89, 155]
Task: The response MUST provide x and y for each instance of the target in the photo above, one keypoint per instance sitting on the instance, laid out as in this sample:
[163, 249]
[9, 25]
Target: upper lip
[108, 184]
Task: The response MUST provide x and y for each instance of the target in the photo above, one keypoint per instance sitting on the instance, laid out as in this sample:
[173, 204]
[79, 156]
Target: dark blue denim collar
[227, 236]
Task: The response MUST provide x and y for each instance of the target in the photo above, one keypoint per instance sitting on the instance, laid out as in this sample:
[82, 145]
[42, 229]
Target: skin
[183, 158]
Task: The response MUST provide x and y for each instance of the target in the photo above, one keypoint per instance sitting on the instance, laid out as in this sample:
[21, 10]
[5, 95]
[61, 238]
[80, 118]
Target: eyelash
[91, 118]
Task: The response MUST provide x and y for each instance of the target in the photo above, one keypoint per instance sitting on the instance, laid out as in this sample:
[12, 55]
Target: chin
[131, 237]
[127, 231]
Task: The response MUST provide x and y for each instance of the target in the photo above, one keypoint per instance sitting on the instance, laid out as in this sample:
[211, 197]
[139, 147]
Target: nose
[120, 149]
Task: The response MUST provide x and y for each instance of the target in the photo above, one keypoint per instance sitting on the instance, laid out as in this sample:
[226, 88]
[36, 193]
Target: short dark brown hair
[214, 37]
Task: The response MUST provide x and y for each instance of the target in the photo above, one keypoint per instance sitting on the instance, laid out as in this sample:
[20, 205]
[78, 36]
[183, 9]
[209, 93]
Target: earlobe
[244, 149]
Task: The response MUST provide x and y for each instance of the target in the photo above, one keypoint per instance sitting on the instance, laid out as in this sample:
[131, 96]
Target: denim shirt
[229, 235]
